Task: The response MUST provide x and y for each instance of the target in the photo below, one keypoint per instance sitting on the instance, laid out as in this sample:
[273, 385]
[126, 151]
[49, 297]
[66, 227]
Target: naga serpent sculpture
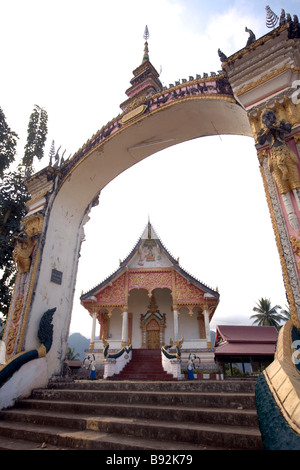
[126, 349]
[45, 335]
[177, 345]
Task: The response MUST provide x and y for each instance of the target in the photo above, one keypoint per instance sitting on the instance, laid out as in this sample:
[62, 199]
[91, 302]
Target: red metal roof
[245, 340]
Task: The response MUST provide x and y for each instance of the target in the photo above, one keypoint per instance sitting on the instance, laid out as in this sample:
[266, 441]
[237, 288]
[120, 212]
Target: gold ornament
[282, 160]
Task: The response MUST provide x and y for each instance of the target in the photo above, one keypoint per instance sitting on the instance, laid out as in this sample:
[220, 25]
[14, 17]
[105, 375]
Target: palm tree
[267, 315]
[71, 355]
[286, 313]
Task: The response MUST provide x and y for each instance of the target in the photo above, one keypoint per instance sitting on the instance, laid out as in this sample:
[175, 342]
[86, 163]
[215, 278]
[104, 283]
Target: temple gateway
[150, 302]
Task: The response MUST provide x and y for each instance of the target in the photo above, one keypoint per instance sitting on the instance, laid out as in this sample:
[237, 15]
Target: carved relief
[287, 259]
[114, 294]
[150, 280]
[295, 242]
[186, 293]
[13, 327]
[23, 251]
[284, 111]
[26, 240]
[282, 160]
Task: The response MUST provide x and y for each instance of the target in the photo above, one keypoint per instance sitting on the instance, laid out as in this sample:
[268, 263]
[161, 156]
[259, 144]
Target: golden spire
[146, 51]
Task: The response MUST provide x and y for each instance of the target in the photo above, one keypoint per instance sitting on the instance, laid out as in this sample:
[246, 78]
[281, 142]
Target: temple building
[149, 300]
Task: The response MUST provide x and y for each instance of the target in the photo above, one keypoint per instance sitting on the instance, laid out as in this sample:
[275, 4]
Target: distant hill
[79, 343]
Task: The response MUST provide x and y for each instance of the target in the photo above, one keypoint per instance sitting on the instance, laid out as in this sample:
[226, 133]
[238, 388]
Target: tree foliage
[266, 315]
[13, 194]
[8, 143]
[36, 137]
[71, 355]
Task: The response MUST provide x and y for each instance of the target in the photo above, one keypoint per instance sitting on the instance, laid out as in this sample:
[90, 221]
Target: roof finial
[149, 227]
[271, 18]
[146, 37]
[146, 33]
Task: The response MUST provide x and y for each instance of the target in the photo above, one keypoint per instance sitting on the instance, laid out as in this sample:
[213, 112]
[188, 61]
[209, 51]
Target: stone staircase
[135, 415]
[144, 365]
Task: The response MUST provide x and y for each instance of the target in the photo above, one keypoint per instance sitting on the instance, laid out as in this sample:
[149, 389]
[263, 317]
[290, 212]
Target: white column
[93, 301]
[207, 327]
[93, 330]
[175, 314]
[125, 327]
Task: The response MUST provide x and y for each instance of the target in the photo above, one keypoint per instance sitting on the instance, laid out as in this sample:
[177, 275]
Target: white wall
[188, 326]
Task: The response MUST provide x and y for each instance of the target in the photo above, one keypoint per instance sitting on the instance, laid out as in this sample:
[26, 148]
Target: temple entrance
[153, 335]
[152, 325]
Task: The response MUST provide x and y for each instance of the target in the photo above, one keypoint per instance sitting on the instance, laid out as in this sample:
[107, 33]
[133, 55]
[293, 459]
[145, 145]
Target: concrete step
[7, 443]
[228, 400]
[207, 386]
[88, 439]
[186, 433]
[142, 376]
[134, 415]
[144, 365]
[236, 417]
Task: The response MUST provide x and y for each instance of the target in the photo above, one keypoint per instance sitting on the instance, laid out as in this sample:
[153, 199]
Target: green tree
[8, 143]
[266, 315]
[71, 355]
[13, 195]
[36, 137]
[286, 313]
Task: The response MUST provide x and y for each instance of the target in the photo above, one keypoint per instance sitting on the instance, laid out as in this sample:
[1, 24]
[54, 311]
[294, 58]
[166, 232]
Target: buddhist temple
[149, 301]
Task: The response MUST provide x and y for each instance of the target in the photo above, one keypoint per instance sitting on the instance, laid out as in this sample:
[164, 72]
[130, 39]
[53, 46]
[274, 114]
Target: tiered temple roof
[150, 265]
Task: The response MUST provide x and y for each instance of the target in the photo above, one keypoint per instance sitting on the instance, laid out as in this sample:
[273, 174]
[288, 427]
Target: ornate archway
[260, 76]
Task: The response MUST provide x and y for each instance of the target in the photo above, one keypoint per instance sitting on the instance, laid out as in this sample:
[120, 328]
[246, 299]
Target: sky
[205, 197]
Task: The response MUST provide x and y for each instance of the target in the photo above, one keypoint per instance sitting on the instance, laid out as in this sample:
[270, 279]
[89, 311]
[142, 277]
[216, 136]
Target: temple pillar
[101, 323]
[125, 326]
[93, 331]
[207, 327]
[130, 327]
[175, 315]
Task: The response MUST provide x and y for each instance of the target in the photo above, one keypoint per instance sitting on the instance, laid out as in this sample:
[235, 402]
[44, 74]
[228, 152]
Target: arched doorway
[153, 334]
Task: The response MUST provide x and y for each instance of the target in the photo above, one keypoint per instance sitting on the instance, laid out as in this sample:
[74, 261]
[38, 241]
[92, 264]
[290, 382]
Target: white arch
[178, 122]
